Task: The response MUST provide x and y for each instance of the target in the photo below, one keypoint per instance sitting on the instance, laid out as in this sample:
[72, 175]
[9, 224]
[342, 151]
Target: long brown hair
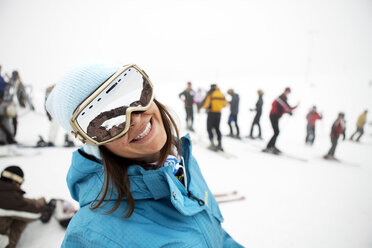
[116, 167]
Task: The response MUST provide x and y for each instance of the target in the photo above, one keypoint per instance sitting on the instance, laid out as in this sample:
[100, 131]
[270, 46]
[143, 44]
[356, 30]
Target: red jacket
[338, 128]
[280, 106]
[312, 117]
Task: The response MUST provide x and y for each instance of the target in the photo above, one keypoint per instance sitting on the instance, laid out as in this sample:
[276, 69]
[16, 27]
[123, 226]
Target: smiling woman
[135, 179]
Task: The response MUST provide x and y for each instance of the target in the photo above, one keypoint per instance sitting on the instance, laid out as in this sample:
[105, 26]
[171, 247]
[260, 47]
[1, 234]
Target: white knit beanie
[72, 89]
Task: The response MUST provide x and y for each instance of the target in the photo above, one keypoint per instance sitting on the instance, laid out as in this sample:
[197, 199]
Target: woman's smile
[146, 134]
[145, 138]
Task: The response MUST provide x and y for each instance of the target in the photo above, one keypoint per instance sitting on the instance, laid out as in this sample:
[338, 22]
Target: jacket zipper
[200, 201]
[189, 194]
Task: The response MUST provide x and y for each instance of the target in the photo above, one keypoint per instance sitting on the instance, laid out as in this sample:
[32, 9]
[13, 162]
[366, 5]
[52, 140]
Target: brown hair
[116, 167]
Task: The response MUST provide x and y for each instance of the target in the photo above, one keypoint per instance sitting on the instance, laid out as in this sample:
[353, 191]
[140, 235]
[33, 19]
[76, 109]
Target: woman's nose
[135, 118]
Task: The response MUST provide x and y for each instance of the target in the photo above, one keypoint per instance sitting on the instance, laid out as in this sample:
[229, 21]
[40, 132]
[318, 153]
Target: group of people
[12, 94]
[215, 100]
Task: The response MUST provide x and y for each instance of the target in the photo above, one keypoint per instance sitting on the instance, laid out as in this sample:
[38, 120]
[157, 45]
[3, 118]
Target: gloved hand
[48, 211]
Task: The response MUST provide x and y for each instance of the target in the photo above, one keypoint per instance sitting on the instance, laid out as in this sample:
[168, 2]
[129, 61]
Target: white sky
[212, 38]
[320, 47]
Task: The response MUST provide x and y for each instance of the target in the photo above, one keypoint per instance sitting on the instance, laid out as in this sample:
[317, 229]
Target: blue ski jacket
[166, 213]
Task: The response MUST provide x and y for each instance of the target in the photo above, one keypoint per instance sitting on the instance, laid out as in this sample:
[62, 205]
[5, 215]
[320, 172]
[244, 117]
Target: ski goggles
[106, 114]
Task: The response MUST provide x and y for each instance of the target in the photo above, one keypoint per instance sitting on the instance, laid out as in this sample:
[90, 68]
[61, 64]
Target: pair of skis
[228, 197]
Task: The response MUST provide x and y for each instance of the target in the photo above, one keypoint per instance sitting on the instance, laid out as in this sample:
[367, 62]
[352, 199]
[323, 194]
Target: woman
[137, 183]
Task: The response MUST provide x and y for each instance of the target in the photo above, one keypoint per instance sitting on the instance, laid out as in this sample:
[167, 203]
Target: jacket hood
[86, 177]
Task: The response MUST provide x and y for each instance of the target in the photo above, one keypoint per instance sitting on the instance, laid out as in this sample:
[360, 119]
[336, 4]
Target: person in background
[280, 106]
[16, 211]
[338, 128]
[136, 180]
[8, 109]
[2, 85]
[213, 103]
[198, 99]
[234, 110]
[188, 97]
[256, 120]
[360, 126]
[311, 118]
[53, 128]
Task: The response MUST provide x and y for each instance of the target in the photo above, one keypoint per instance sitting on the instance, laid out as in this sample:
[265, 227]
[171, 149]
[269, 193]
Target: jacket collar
[85, 178]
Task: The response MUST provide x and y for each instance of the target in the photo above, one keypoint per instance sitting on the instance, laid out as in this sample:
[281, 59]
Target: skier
[213, 103]
[188, 97]
[256, 120]
[311, 118]
[137, 182]
[16, 211]
[360, 126]
[280, 106]
[338, 128]
[234, 110]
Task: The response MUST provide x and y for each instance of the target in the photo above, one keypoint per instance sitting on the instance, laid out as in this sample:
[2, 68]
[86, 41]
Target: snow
[289, 202]
[322, 51]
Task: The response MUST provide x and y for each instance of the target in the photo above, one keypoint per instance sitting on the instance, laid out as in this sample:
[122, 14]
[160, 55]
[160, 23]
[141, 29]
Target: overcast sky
[272, 42]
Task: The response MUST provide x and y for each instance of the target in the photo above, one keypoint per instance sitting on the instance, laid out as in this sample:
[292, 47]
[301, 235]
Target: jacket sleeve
[207, 102]
[87, 239]
[181, 94]
[25, 209]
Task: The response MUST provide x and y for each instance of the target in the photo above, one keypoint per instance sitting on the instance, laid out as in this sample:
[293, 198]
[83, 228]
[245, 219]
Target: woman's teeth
[144, 133]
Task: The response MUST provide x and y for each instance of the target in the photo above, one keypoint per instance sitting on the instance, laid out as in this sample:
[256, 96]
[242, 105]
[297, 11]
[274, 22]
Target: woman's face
[144, 139]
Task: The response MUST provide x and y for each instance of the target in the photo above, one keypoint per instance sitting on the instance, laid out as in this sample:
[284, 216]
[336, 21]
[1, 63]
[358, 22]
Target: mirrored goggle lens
[105, 116]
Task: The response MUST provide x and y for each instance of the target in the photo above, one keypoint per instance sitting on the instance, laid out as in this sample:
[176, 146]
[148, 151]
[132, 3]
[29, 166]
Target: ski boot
[219, 147]
[276, 150]
[41, 142]
[268, 150]
[68, 142]
[212, 146]
[272, 150]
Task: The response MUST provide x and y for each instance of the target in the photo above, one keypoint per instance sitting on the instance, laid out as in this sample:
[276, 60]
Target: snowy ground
[289, 202]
